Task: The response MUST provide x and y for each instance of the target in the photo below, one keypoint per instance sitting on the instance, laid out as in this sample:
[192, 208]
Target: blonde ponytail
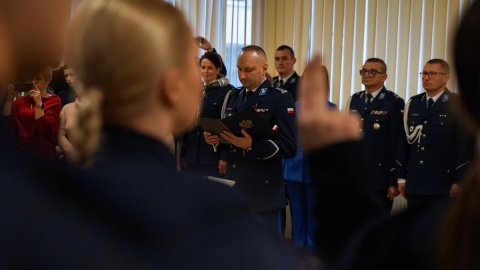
[88, 129]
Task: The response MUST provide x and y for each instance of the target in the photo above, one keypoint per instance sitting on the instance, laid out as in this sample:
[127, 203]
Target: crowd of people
[123, 204]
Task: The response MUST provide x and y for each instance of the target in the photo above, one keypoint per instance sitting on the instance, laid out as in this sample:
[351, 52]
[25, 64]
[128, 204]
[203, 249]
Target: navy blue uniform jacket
[132, 211]
[441, 150]
[290, 85]
[258, 172]
[382, 124]
[194, 148]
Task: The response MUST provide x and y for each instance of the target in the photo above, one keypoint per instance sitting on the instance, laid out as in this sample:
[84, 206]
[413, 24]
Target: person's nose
[241, 75]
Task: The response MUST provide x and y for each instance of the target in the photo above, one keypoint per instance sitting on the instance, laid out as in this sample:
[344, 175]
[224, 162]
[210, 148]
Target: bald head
[255, 51]
[252, 66]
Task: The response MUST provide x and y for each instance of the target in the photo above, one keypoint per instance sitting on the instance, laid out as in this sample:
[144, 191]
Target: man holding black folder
[256, 163]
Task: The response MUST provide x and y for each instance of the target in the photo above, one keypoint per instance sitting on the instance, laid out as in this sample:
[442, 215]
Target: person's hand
[454, 190]
[392, 192]
[35, 95]
[210, 138]
[59, 152]
[244, 142]
[203, 43]
[320, 126]
[11, 93]
[401, 189]
[222, 166]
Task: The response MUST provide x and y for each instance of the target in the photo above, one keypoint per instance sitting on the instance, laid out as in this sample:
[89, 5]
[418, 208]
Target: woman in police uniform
[197, 156]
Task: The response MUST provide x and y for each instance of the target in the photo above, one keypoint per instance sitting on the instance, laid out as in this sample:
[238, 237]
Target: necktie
[246, 95]
[281, 84]
[369, 98]
[430, 103]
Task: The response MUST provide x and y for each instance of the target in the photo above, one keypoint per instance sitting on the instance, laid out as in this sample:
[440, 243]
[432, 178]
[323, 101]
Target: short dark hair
[254, 48]
[440, 62]
[378, 60]
[212, 57]
[286, 47]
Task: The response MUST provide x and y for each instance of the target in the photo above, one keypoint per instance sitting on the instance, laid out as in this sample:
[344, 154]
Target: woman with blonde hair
[136, 65]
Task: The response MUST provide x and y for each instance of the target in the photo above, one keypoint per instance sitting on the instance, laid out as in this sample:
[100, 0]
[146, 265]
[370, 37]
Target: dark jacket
[290, 85]
[194, 148]
[132, 210]
[381, 124]
[440, 149]
[258, 172]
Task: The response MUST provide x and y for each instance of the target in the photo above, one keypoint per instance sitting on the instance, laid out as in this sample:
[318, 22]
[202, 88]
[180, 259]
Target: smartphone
[23, 86]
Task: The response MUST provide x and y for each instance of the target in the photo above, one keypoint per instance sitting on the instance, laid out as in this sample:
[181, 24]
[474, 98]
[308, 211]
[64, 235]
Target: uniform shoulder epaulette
[393, 93]
[417, 96]
[281, 90]
[359, 93]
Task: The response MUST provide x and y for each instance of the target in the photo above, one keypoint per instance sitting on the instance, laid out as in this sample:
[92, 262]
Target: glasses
[430, 74]
[372, 72]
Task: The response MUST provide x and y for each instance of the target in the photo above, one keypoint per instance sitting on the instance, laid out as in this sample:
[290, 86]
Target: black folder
[247, 119]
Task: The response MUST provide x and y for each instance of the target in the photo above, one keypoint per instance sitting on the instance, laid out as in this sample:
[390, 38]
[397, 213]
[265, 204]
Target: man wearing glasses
[434, 150]
[381, 113]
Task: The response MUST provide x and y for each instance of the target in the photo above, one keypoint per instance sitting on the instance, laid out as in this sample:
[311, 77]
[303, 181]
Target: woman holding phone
[33, 118]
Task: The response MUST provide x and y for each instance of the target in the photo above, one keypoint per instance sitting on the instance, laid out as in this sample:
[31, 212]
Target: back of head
[457, 240]
[467, 59]
[119, 49]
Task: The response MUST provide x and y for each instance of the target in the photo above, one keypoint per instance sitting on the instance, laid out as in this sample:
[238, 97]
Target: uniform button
[380, 165]
[234, 166]
[441, 123]
[424, 135]
[266, 181]
[422, 148]
[363, 119]
[448, 171]
[421, 162]
[365, 108]
[425, 122]
[198, 133]
[234, 150]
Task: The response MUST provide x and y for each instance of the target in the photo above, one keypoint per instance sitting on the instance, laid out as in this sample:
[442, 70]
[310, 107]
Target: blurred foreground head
[136, 65]
[31, 36]
[467, 62]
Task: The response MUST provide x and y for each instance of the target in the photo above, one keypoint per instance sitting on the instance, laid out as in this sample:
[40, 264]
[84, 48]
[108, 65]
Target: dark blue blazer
[290, 85]
[67, 95]
[441, 153]
[381, 124]
[258, 172]
[131, 211]
[194, 147]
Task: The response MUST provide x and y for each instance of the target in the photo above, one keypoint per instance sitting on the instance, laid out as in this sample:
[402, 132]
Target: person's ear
[294, 60]
[169, 88]
[264, 68]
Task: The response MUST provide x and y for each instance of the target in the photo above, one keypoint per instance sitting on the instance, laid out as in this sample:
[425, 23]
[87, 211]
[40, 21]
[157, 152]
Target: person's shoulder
[358, 94]
[279, 90]
[393, 96]
[417, 97]
[236, 91]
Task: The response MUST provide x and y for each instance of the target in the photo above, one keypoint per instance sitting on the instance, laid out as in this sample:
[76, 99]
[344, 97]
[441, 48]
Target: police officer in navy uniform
[381, 112]
[198, 157]
[434, 151]
[287, 77]
[256, 164]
